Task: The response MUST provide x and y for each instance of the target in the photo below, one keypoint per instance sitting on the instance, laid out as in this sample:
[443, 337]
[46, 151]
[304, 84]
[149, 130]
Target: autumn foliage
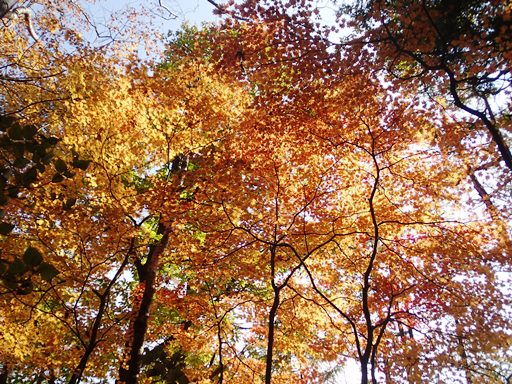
[273, 198]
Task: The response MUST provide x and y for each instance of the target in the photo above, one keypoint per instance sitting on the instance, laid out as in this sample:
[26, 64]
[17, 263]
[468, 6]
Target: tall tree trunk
[365, 291]
[272, 317]
[4, 373]
[491, 209]
[129, 373]
[461, 349]
[270, 341]
[364, 371]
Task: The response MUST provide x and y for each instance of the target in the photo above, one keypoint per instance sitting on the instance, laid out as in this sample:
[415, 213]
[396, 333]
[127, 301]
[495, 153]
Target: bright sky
[169, 16]
[191, 11]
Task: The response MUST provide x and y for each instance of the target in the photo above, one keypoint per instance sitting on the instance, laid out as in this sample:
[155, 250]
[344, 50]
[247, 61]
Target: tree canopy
[274, 196]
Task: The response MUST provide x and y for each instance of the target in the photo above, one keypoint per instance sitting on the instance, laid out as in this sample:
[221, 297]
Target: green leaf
[46, 157]
[6, 122]
[3, 267]
[13, 192]
[47, 271]
[26, 287]
[36, 156]
[52, 140]
[6, 228]
[57, 178]
[69, 203]
[18, 149]
[32, 257]
[29, 131]
[15, 132]
[82, 164]
[21, 162]
[192, 166]
[29, 177]
[17, 268]
[60, 165]
[9, 283]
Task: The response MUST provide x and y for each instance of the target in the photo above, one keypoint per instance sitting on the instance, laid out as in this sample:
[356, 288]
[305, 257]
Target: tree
[267, 93]
[254, 207]
[454, 51]
[459, 48]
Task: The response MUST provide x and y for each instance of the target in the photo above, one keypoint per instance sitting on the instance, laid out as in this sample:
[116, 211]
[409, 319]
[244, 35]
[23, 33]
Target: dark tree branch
[139, 324]
[103, 297]
[224, 11]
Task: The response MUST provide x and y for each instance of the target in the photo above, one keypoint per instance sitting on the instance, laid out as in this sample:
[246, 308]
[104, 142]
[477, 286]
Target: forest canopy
[272, 197]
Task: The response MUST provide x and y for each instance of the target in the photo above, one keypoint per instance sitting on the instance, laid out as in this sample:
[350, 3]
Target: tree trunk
[462, 353]
[4, 373]
[270, 342]
[129, 373]
[364, 371]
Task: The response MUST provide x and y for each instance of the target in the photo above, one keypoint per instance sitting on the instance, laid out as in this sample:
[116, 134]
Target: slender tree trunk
[491, 208]
[221, 363]
[387, 373]
[453, 88]
[129, 373]
[364, 371]
[462, 353]
[366, 357]
[4, 373]
[270, 341]
[272, 317]
[492, 128]
[77, 374]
